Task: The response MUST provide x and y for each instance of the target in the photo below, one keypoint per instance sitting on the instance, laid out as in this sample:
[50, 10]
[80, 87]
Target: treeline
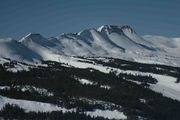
[128, 65]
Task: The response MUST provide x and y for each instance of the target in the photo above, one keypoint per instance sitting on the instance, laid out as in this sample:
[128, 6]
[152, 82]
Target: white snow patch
[142, 100]
[4, 87]
[105, 87]
[167, 86]
[137, 82]
[88, 82]
[85, 82]
[114, 114]
[33, 106]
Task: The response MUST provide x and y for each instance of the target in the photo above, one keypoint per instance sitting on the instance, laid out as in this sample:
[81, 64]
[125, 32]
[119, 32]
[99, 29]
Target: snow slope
[33, 106]
[170, 45]
[40, 45]
[125, 37]
[107, 114]
[10, 48]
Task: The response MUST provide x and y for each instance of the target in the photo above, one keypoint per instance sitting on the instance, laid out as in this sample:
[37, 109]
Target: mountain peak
[115, 28]
[127, 27]
[32, 36]
[103, 27]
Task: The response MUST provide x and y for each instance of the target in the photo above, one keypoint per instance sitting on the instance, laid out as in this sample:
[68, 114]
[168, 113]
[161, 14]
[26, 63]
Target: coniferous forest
[69, 93]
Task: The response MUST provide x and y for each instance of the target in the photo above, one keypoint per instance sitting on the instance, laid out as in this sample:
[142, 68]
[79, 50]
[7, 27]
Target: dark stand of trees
[62, 81]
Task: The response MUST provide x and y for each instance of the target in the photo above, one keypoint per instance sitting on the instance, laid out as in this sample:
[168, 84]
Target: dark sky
[53, 17]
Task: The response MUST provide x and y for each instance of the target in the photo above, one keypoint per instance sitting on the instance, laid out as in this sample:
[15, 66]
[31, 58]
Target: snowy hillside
[89, 88]
[12, 49]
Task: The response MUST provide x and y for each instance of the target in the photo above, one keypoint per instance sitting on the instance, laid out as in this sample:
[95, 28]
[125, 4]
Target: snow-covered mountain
[13, 49]
[97, 74]
[106, 41]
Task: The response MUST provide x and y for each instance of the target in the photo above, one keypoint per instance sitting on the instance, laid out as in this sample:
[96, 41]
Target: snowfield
[85, 82]
[107, 114]
[33, 106]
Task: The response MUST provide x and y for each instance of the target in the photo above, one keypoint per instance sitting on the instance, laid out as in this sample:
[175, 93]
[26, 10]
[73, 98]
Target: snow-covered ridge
[106, 41]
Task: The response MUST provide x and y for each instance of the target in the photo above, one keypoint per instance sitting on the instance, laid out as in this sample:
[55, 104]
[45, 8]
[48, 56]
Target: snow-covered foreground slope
[33, 106]
[91, 87]
[107, 41]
